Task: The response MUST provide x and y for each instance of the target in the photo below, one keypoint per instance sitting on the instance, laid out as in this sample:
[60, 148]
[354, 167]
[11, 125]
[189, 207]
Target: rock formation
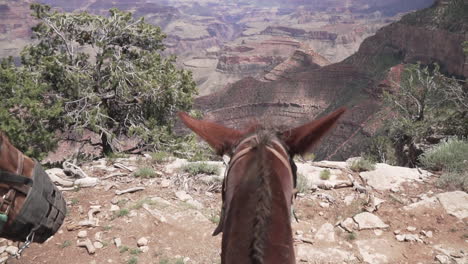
[304, 93]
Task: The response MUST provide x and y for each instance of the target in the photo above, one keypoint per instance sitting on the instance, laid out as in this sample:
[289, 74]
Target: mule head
[298, 140]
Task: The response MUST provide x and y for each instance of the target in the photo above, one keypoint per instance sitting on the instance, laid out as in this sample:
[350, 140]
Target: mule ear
[220, 138]
[303, 138]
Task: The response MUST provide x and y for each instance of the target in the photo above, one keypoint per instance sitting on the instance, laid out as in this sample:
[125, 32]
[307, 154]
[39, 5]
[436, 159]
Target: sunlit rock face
[290, 96]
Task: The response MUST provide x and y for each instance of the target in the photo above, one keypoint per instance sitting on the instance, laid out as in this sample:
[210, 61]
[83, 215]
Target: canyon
[304, 93]
[224, 41]
[284, 62]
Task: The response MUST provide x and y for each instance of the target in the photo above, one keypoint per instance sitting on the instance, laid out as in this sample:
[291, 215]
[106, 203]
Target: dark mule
[259, 186]
[31, 207]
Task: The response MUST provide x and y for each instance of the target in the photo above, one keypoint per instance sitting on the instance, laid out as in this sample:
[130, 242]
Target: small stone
[396, 232]
[378, 232]
[114, 208]
[411, 228]
[183, 196]
[98, 236]
[324, 205]
[426, 233]
[367, 220]
[400, 238]
[321, 213]
[299, 232]
[326, 233]
[88, 245]
[144, 249]
[457, 254]
[117, 242]
[12, 250]
[349, 199]
[142, 242]
[98, 245]
[133, 213]
[348, 224]
[82, 234]
[165, 183]
[443, 259]
[395, 189]
[87, 182]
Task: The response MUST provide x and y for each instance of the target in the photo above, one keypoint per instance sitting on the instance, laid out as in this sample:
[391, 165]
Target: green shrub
[145, 172]
[454, 181]
[160, 156]
[362, 164]
[135, 251]
[351, 236]
[325, 174]
[122, 212]
[66, 243]
[123, 249]
[200, 168]
[132, 260]
[450, 156]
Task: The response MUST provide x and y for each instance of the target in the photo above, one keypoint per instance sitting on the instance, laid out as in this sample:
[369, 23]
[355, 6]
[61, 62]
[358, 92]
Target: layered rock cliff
[304, 94]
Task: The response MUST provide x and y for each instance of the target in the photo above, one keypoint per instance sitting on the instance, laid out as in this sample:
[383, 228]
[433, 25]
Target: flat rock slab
[376, 251]
[368, 221]
[312, 254]
[386, 177]
[312, 174]
[455, 203]
[326, 233]
[427, 203]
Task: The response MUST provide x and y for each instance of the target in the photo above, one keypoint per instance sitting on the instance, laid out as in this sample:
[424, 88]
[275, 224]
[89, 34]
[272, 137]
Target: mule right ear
[301, 139]
[220, 138]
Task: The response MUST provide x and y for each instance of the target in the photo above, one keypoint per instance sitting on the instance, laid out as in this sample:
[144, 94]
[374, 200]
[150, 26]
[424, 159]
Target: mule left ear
[303, 138]
[220, 138]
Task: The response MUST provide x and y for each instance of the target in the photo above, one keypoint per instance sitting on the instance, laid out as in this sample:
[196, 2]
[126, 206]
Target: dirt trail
[178, 225]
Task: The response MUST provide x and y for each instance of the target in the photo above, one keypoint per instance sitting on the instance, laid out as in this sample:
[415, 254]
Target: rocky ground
[388, 215]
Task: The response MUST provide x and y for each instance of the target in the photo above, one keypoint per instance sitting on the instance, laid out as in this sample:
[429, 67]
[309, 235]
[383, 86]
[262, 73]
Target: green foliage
[454, 180]
[123, 249]
[109, 74]
[121, 212]
[132, 260]
[145, 172]
[200, 168]
[28, 112]
[351, 236]
[160, 156]
[382, 150]
[66, 243]
[179, 261]
[325, 174]
[451, 156]
[214, 218]
[135, 251]
[362, 164]
[426, 104]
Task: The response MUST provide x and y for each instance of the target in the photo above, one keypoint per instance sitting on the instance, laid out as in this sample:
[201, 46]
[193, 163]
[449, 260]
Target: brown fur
[258, 191]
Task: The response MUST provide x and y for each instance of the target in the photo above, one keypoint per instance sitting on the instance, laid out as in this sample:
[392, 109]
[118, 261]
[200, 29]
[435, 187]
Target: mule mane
[262, 167]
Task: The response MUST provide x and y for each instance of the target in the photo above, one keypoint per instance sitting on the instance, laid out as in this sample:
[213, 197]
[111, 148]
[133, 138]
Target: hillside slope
[356, 82]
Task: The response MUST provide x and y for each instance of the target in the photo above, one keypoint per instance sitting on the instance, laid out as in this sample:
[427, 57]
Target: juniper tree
[109, 73]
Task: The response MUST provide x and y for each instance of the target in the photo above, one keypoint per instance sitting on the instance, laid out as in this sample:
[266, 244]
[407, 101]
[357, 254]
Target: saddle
[42, 212]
